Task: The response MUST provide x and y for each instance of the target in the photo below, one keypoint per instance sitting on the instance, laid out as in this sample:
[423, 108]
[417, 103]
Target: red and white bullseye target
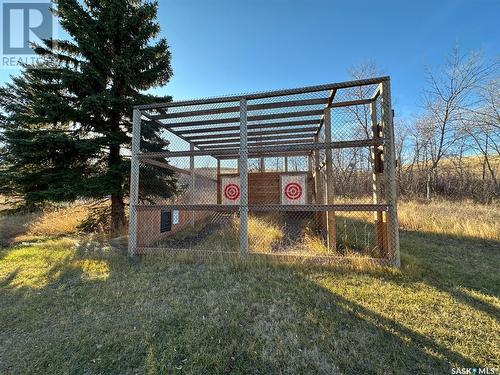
[293, 190]
[232, 191]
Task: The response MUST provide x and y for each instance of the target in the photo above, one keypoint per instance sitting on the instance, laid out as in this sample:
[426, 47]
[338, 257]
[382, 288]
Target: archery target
[230, 190]
[293, 189]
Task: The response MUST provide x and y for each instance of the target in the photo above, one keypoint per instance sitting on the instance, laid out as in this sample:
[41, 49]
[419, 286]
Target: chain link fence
[303, 174]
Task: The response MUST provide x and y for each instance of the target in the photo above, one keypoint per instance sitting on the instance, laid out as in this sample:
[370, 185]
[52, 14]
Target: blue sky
[223, 47]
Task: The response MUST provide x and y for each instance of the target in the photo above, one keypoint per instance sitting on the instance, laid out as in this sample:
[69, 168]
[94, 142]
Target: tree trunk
[117, 205]
[428, 184]
[117, 214]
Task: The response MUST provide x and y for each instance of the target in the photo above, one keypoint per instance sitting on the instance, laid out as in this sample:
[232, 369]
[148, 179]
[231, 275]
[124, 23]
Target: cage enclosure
[306, 173]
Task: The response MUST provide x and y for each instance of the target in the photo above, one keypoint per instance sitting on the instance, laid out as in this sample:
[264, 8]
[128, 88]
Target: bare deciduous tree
[449, 90]
[482, 128]
[440, 152]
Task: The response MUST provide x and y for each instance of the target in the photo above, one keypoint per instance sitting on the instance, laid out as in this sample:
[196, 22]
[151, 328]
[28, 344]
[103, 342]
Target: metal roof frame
[212, 125]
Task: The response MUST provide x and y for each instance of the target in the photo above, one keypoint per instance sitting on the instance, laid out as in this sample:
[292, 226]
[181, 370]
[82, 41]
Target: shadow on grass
[452, 264]
[288, 324]
[214, 317]
[7, 280]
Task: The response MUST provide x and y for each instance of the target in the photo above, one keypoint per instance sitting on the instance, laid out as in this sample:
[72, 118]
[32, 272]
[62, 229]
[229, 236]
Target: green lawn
[74, 306]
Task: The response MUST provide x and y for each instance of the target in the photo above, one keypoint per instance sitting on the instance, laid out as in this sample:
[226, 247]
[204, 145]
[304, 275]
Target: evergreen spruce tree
[67, 120]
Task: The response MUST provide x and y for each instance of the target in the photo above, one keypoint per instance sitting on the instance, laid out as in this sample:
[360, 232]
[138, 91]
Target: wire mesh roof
[274, 118]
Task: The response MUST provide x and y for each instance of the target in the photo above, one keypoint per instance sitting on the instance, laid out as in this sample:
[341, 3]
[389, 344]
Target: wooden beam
[255, 138]
[230, 120]
[378, 91]
[306, 148]
[318, 188]
[266, 94]
[255, 133]
[253, 154]
[318, 195]
[287, 103]
[390, 175]
[253, 107]
[268, 207]
[259, 144]
[243, 171]
[330, 100]
[351, 103]
[272, 116]
[165, 165]
[270, 125]
[170, 130]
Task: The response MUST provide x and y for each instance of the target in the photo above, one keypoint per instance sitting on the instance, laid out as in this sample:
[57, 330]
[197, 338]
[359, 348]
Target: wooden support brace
[330, 193]
[191, 185]
[376, 161]
[219, 195]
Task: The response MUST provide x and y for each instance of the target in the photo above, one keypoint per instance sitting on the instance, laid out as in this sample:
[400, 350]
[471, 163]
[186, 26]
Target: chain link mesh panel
[320, 175]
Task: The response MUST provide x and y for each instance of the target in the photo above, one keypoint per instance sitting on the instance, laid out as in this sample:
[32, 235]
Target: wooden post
[318, 191]
[219, 196]
[191, 185]
[376, 161]
[262, 164]
[243, 169]
[286, 163]
[318, 194]
[134, 183]
[331, 238]
[390, 175]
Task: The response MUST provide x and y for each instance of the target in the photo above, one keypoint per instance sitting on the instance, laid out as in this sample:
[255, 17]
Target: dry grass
[463, 219]
[264, 232]
[49, 222]
[355, 231]
[14, 226]
[313, 244]
[60, 221]
[471, 164]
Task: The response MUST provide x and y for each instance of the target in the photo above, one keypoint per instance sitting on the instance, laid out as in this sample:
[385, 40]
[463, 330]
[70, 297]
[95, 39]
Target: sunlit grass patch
[93, 269]
[36, 265]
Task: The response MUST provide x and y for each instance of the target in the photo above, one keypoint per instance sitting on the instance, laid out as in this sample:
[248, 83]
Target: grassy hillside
[73, 304]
